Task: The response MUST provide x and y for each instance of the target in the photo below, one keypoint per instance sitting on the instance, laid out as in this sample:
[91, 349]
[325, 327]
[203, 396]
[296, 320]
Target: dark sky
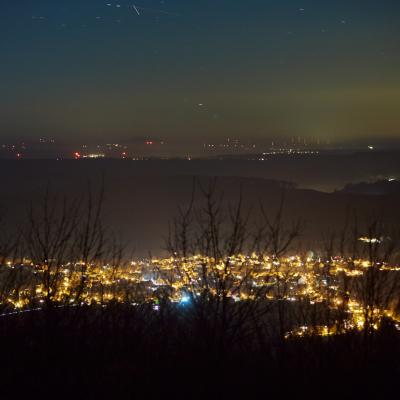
[84, 70]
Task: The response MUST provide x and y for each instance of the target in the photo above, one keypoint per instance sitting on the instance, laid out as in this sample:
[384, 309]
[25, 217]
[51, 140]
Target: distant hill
[379, 188]
[141, 198]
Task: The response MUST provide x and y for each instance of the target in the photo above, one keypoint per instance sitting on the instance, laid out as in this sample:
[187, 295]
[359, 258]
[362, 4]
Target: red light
[149, 142]
[77, 155]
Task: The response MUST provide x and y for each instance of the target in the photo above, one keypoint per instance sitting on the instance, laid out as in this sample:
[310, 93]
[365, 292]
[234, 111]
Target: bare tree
[48, 239]
[65, 239]
[89, 239]
[212, 243]
[274, 239]
[13, 279]
[378, 288]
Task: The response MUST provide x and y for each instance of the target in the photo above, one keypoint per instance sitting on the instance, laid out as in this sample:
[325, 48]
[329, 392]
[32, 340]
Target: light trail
[137, 9]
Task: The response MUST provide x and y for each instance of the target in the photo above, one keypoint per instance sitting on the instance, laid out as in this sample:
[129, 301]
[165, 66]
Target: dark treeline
[123, 352]
[230, 338]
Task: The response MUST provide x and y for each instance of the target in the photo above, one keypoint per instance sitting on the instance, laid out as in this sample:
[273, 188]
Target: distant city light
[94, 155]
[370, 240]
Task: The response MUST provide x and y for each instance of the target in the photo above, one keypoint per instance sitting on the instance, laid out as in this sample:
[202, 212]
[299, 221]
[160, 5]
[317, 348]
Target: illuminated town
[337, 284]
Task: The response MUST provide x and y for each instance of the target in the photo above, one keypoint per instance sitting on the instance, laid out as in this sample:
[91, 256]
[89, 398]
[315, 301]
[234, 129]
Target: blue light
[185, 299]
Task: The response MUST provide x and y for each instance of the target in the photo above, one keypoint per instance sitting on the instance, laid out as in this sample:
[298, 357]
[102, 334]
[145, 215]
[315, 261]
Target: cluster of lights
[288, 279]
[275, 152]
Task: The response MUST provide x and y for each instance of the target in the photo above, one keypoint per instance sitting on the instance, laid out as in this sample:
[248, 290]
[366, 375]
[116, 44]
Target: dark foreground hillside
[124, 352]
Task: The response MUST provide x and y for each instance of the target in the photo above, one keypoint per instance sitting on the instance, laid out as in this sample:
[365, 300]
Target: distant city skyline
[50, 148]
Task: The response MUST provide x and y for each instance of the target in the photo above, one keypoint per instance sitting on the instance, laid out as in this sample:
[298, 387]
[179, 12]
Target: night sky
[256, 69]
